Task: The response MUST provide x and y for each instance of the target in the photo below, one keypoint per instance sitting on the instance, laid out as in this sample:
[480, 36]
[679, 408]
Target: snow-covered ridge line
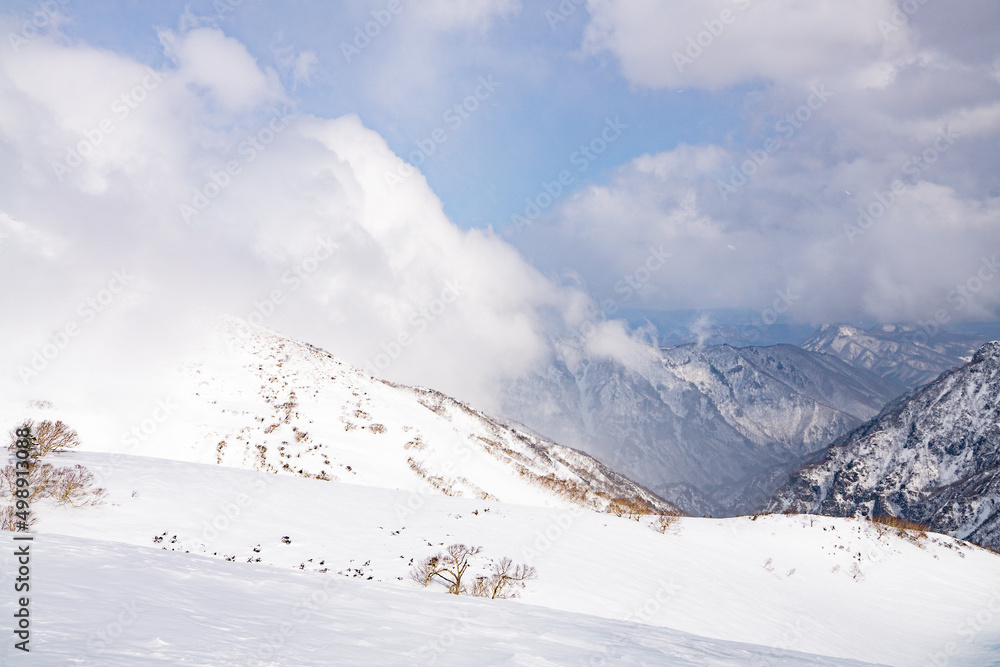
[269, 403]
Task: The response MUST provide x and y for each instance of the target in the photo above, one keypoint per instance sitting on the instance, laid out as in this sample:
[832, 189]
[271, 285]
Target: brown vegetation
[503, 580]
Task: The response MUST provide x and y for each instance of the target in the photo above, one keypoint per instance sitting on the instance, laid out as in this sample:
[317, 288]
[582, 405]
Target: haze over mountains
[714, 428]
[697, 421]
[906, 356]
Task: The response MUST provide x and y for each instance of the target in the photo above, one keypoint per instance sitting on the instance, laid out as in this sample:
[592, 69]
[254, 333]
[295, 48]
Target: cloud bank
[140, 200]
[862, 180]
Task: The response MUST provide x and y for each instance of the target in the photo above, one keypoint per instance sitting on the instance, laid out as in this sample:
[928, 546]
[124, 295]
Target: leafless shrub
[900, 524]
[74, 486]
[663, 522]
[48, 437]
[66, 485]
[416, 467]
[40, 480]
[632, 508]
[504, 580]
[377, 428]
[9, 519]
[450, 567]
[904, 528]
[424, 570]
[417, 443]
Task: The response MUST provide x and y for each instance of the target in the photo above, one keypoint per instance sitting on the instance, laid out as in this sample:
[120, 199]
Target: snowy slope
[699, 423]
[147, 607]
[819, 585]
[253, 399]
[931, 457]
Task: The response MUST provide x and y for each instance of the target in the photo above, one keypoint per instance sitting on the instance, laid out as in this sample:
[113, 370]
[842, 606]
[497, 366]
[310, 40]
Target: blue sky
[551, 97]
[768, 160]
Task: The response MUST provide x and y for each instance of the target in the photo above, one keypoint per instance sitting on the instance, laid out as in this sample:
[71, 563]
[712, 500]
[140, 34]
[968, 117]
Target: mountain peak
[988, 351]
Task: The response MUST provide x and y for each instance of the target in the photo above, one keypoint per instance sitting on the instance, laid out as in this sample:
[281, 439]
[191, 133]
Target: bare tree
[73, 485]
[450, 567]
[504, 580]
[47, 436]
[663, 522]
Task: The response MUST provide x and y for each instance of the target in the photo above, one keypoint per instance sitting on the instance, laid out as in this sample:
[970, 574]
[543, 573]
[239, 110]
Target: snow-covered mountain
[268, 403]
[931, 457]
[904, 355]
[700, 424]
[283, 498]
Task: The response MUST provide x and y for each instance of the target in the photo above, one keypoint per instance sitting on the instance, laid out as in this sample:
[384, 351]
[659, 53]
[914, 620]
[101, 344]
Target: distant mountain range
[699, 424]
[904, 355]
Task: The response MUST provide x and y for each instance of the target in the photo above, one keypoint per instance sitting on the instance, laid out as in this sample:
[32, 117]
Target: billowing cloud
[153, 196]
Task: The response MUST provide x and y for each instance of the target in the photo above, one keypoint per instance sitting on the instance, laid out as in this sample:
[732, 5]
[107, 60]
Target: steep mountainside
[903, 355]
[698, 422]
[932, 457]
[272, 404]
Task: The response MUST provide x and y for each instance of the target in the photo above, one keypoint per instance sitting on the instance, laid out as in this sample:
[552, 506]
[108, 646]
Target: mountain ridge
[696, 420]
[931, 456]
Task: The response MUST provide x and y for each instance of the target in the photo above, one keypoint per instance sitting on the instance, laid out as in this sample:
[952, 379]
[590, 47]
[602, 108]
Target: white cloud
[210, 205]
[718, 43]
[912, 104]
[795, 225]
[206, 58]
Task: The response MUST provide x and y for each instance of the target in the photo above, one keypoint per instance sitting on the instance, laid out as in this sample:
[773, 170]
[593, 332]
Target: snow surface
[607, 588]
[106, 604]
